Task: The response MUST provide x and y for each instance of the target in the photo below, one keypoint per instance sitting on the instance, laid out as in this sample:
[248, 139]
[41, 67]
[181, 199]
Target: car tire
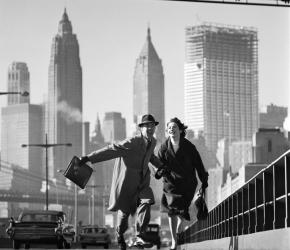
[66, 245]
[84, 246]
[158, 246]
[16, 244]
[106, 246]
[26, 246]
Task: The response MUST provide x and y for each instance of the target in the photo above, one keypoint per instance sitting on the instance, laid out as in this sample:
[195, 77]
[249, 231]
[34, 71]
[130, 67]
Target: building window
[269, 146]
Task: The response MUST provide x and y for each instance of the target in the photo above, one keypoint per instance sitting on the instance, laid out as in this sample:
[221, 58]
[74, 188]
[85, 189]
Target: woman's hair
[180, 125]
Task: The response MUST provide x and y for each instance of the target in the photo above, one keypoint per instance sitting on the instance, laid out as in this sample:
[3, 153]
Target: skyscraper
[21, 123]
[114, 127]
[221, 82]
[148, 89]
[18, 81]
[64, 108]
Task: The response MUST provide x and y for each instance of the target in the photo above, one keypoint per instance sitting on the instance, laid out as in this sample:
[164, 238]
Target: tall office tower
[148, 89]
[274, 117]
[22, 124]
[221, 82]
[18, 81]
[114, 127]
[64, 108]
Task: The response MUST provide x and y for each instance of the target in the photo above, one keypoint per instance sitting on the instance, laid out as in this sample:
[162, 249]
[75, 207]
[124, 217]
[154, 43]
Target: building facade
[215, 180]
[269, 144]
[64, 102]
[241, 153]
[21, 124]
[148, 86]
[18, 81]
[221, 82]
[114, 127]
[266, 146]
[236, 181]
[274, 117]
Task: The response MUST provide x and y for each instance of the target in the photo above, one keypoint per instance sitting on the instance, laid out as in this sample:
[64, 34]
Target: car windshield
[39, 217]
[94, 230]
[152, 229]
[90, 230]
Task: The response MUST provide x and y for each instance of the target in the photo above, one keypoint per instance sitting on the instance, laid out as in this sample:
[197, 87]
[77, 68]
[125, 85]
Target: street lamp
[46, 146]
[76, 206]
[23, 93]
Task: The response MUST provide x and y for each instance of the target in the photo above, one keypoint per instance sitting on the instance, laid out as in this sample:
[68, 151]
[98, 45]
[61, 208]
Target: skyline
[112, 35]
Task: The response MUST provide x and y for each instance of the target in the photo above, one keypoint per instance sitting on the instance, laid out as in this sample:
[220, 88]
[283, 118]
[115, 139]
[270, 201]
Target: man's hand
[161, 172]
[83, 160]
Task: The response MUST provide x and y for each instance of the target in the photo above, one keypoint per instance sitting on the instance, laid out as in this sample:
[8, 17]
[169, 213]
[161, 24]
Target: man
[130, 190]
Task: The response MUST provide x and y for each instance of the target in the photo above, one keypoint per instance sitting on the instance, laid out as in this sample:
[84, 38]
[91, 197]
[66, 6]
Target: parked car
[4, 222]
[151, 237]
[37, 226]
[94, 235]
[165, 236]
[152, 234]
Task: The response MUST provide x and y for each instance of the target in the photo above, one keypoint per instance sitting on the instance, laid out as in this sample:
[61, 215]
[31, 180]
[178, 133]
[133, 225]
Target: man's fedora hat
[147, 119]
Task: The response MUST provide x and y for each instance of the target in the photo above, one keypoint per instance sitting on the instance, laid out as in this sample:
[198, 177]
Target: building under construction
[221, 82]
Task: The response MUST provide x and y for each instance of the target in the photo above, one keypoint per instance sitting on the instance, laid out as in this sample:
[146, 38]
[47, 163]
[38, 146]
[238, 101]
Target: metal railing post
[286, 191]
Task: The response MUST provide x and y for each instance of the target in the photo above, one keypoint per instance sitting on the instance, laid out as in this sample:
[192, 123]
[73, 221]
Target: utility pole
[46, 146]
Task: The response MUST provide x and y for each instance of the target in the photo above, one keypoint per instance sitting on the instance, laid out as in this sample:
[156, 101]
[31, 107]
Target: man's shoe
[141, 243]
[121, 242]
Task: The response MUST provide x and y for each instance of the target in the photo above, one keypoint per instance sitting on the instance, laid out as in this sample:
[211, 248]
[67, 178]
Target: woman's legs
[172, 219]
[179, 226]
[179, 229]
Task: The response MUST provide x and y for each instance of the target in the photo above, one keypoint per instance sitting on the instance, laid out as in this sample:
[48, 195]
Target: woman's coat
[179, 187]
[131, 175]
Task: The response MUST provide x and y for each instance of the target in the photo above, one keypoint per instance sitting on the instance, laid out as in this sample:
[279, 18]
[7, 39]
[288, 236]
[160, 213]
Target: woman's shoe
[172, 248]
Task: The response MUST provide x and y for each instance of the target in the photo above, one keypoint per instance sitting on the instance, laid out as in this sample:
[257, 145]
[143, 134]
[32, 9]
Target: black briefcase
[80, 175]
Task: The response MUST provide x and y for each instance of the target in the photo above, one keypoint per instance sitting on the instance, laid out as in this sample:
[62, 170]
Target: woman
[182, 160]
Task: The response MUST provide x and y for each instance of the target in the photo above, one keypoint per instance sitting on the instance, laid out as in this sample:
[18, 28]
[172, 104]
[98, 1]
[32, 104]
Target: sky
[111, 34]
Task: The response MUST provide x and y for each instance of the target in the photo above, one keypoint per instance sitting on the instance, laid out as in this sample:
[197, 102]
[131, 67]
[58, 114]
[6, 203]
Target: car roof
[153, 225]
[91, 226]
[54, 212]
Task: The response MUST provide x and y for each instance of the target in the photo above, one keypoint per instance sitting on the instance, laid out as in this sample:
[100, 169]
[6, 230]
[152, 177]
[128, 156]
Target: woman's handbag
[202, 211]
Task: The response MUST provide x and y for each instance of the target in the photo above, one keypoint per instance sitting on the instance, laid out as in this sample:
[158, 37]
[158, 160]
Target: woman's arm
[156, 161]
[202, 173]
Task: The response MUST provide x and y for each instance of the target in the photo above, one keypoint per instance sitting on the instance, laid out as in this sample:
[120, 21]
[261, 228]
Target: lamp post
[93, 200]
[75, 205]
[46, 146]
[24, 93]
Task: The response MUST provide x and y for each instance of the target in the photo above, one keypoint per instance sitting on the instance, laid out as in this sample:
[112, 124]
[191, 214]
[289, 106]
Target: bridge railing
[261, 204]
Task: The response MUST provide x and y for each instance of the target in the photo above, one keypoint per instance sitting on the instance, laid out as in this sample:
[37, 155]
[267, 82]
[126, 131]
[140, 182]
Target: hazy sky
[111, 34]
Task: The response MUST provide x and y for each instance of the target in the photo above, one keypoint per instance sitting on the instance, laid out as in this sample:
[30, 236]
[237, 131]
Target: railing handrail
[260, 204]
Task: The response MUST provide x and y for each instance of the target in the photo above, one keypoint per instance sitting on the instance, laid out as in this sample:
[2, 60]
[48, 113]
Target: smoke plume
[69, 113]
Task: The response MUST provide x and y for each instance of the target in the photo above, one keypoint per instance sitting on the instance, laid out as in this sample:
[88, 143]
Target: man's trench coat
[131, 175]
